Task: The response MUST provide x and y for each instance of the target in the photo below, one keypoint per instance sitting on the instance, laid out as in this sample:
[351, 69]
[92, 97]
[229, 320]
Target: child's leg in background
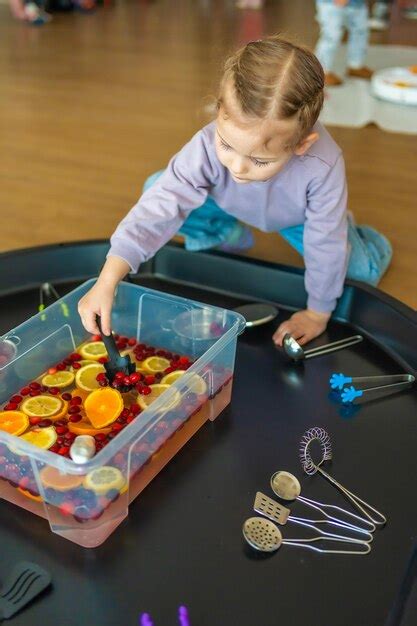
[357, 48]
[210, 227]
[331, 19]
[370, 255]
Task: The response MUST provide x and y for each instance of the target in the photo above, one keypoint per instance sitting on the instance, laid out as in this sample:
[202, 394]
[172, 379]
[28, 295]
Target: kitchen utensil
[25, 582]
[116, 362]
[257, 314]
[295, 352]
[83, 449]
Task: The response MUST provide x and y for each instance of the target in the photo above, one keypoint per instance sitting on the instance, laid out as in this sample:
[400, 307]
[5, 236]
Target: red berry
[45, 423]
[100, 437]
[184, 360]
[63, 451]
[135, 409]
[61, 430]
[75, 356]
[67, 361]
[134, 378]
[130, 418]
[60, 441]
[119, 376]
[52, 370]
[103, 383]
[66, 508]
[76, 366]
[44, 388]
[150, 380]
[117, 427]
[25, 391]
[69, 437]
[146, 391]
[75, 417]
[169, 370]
[66, 396]
[117, 383]
[73, 409]
[126, 381]
[12, 406]
[34, 385]
[54, 390]
[62, 422]
[76, 400]
[103, 359]
[123, 339]
[34, 420]
[96, 338]
[35, 392]
[61, 367]
[131, 341]
[101, 376]
[54, 448]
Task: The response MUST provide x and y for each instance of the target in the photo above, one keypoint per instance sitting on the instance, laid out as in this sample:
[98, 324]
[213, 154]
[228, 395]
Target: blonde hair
[276, 79]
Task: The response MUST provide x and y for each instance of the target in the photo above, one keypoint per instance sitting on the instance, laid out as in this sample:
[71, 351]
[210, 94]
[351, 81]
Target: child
[333, 15]
[267, 161]
[31, 12]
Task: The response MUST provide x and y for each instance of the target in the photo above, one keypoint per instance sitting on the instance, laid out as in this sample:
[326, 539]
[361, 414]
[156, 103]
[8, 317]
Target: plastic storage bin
[205, 333]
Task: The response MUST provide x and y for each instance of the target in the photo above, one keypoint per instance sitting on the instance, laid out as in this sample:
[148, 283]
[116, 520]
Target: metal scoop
[294, 351]
[116, 362]
[262, 535]
[257, 314]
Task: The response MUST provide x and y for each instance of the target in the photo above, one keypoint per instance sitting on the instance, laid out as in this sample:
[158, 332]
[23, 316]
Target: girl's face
[254, 150]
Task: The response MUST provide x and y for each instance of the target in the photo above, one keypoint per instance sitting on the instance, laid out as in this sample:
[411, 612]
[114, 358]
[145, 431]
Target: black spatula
[116, 362]
[25, 582]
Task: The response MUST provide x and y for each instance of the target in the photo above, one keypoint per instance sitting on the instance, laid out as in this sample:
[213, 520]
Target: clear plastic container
[204, 333]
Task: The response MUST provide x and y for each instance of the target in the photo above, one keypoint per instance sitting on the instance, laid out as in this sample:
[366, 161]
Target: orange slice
[157, 390]
[41, 437]
[413, 69]
[29, 495]
[85, 428]
[62, 413]
[103, 479]
[42, 406]
[14, 422]
[93, 350]
[103, 406]
[154, 364]
[59, 379]
[53, 478]
[86, 377]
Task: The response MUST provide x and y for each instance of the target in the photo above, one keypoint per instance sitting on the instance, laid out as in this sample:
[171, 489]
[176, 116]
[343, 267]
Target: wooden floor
[91, 105]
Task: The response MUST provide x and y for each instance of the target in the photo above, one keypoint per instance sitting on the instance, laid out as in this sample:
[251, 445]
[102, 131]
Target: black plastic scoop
[25, 582]
[116, 362]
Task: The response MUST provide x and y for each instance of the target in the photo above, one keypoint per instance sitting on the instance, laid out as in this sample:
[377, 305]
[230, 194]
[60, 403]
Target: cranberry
[62, 422]
[16, 399]
[75, 356]
[111, 435]
[139, 387]
[76, 366]
[117, 383]
[67, 361]
[150, 380]
[54, 448]
[34, 385]
[100, 437]
[34, 420]
[125, 413]
[103, 383]
[74, 409]
[76, 400]
[25, 391]
[101, 376]
[63, 451]
[61, 430]
[54, 391]
[126, 381]
[119, 376]
[131, 341]
[96, 338]
[12, 406]
[103, 359]
[158, 376]
[169, 369]
[135, 409]
[35, 392]
[99, 446]
[69, 436]
[66, 396]
[75, 417]
[61, 367]
[184, 360]
[66, 508]
[52, 370]
[117, 427]
[44, 388]
[45, 423]
[134, 378]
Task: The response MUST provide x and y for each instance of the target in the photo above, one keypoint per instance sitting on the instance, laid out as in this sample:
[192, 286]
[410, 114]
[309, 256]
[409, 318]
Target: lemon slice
[93, 350]
[157, 390]
[103, 479]
[41, 437]
[196, 384]
[60, 379]
[41, 406]
[86, 377]
[154, 364]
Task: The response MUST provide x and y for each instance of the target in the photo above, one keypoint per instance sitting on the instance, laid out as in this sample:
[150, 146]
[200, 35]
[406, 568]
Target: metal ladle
[257, 313]
[296, 353]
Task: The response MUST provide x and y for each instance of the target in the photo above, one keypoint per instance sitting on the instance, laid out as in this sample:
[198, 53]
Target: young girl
[266, 161]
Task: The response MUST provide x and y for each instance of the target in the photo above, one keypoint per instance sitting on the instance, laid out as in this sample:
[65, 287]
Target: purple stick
[146, 620]
[183, 616]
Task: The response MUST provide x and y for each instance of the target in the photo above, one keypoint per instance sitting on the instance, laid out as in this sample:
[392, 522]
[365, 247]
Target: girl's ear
[306, 144]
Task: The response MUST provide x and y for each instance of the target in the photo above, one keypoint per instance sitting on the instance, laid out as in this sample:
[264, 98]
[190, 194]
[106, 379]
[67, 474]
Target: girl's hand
[99, 300]
[303, 326]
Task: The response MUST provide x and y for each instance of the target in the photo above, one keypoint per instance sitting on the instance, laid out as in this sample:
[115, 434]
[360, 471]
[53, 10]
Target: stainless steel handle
[333, 347]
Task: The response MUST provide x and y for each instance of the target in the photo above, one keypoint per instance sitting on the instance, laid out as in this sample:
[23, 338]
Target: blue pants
[209, 226]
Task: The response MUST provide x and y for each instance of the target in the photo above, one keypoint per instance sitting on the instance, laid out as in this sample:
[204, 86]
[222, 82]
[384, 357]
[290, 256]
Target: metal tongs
[295, 352]
[381, 386]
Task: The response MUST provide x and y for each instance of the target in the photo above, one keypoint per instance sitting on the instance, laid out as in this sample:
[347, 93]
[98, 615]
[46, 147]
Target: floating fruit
[84, 362]
[103, 479]
[86, 377]
[62, 413]
[42, 406]
[155, 364]
[59, 379]
[156, 390]
[54, 479]
[84, 427]
[196, 384]
[103, 406]
[14, 422]
[93, 350]
[170, 378]
[29, 495]
[41, 437]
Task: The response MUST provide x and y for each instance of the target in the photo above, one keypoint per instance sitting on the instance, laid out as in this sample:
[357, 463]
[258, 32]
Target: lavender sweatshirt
[309, 190]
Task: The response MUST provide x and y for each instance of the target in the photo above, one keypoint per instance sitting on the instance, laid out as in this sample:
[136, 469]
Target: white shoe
[377, 23]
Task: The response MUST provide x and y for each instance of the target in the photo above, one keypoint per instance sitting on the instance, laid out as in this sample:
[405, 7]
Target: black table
[182, 542]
